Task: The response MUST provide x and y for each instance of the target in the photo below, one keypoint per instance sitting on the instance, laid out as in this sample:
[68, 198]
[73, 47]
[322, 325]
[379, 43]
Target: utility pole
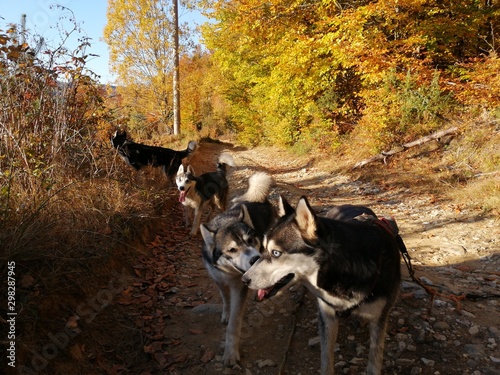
[176, 94]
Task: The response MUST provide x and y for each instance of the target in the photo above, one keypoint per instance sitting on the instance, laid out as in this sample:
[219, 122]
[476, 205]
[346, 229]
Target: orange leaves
[283, 59]
[164, 278]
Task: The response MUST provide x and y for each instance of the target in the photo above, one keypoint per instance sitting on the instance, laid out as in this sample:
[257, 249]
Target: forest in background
[332, 75]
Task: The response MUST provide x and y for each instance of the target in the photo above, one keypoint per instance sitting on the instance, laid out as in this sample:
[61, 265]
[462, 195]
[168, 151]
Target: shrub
[402, 109]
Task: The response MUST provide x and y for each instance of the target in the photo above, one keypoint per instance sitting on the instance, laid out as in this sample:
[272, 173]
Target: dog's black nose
[254, 259]
[181, 188]
[246, 280]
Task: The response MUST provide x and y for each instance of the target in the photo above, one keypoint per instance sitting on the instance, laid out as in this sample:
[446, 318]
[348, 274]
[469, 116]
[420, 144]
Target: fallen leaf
[155, 346]
[72, 322]
[207, 356]
[125, 300]
[160, 358]
[175, 342]
[142, 299]
[76, 352]
[27, 281]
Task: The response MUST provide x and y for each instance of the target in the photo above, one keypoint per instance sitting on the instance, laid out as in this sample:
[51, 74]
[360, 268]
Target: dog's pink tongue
[261, 294]
[182, 196]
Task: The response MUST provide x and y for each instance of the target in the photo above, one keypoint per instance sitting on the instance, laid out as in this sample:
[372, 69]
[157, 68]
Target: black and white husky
[351, 265]
[232, 242]
[209, 189]
[138, 155]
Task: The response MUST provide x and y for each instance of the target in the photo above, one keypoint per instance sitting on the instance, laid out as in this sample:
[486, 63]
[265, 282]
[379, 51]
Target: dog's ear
[192, 146]
[180, 170]
[190, 170]
[208, 236]
[284, 207]
[306, 219]
[245, 216]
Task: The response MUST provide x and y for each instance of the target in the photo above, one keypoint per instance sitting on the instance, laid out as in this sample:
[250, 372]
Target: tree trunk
[176, 93]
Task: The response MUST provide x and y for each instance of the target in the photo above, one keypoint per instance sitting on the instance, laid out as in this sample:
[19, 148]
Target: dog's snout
[181, 188]
[254, 259]
[246, 280]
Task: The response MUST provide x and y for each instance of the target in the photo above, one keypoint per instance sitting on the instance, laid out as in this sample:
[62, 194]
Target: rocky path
[455, 252]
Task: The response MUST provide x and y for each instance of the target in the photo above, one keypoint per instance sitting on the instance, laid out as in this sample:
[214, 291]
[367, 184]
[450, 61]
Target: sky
[43, 18]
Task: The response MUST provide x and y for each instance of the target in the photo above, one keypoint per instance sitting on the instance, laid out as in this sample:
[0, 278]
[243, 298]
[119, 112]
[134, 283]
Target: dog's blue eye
[276, 253]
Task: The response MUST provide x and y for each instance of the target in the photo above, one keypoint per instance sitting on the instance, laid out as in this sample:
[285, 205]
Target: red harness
[386, 224]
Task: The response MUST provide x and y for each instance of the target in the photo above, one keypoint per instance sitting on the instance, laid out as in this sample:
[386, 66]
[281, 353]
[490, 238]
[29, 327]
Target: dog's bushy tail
[259, 185]
[224, 160]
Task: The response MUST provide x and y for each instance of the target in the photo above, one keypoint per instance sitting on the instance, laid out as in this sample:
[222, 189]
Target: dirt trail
[455, 249]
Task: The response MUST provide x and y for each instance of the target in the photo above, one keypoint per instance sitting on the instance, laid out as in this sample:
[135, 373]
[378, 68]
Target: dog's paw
[230, 357]
[224, 319]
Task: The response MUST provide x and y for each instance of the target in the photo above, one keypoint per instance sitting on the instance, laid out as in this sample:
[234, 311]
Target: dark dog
[352, 266]
[138, 155]
[209, 189]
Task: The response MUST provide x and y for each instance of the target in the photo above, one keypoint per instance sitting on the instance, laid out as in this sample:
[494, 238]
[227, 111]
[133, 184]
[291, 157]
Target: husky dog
[232, 242]
[351, 266]
[138, 155]
[196, 192]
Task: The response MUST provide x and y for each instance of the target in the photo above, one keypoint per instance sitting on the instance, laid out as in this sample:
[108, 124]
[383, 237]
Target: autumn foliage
[299, 71]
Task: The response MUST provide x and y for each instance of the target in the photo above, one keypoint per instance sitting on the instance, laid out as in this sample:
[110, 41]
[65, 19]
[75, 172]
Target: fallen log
[385, 154]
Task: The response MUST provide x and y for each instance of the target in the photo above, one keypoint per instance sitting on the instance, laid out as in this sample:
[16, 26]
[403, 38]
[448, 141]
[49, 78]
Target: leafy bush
[48, 131]
[401, 109]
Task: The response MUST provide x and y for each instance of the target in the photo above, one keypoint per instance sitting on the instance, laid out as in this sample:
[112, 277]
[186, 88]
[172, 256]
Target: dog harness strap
[385, 224]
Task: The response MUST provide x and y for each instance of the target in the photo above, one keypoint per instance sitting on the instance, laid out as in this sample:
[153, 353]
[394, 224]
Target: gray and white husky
[232, 242]
[351, 265]
[209, 189]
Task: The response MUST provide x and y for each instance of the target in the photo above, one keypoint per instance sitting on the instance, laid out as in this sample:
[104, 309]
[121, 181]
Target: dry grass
[475, 161]
[464, 169]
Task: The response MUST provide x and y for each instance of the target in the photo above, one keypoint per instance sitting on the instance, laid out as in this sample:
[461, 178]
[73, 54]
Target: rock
[494, 332]
[314, 341]
[405, 362]
[474, 330]
[441, 326]
[428, 362]
[340, 364]
[468, 314]
[265, 363]
[439, 337]
[475, 351]
[357, 361]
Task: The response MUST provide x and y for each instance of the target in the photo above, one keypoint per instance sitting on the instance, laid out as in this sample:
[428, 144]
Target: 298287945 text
[11, 313]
